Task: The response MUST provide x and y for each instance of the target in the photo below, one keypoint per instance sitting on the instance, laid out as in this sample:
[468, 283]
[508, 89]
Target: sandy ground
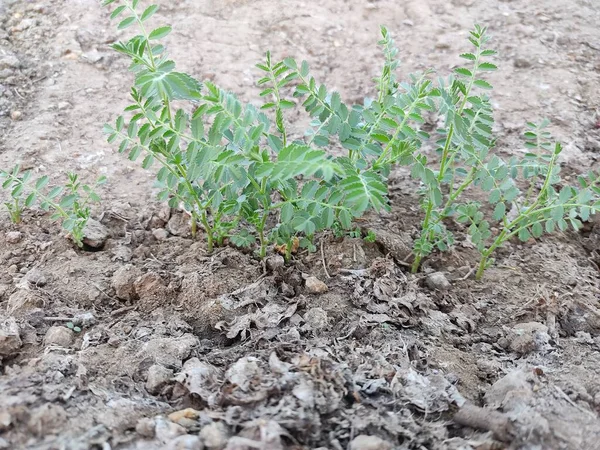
[289, 368]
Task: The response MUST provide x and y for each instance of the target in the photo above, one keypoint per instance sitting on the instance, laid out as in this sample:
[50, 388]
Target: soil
[175, 348]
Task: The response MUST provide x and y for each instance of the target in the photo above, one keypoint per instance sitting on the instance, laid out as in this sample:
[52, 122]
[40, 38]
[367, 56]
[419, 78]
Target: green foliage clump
[239, 173]
[71, 203]
[236, 171]
[466, 160]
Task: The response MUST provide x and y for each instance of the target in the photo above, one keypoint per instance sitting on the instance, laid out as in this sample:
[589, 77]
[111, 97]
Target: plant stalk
[417, 261]
[261, 237]
[209, 232]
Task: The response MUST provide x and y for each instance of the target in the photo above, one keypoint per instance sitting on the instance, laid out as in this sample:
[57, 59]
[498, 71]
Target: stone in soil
[316, 318]
[48, 419]
[12, 237]
[150, 288]
[364, 442]
[158, 377]
[160, 234]
[166, 431]
[214, 436]
[275, 262]
[437, 281]
[95, 234]
[145, 427]
[10, 340]
[515, 381]
[123, 282]
[169, 351]
[179, 225]
[36, 277]
[9, 61]
[5, 421]
[529, 337]
[315, 286]
[185, 442]
[58, 336]
[21, 301]
[185, 417]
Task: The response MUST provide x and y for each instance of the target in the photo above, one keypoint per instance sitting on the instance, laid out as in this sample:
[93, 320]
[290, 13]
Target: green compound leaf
[159, 33]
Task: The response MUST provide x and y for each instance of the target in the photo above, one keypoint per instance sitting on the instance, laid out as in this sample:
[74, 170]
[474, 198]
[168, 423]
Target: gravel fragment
[12, 237]
[145, 427]
[215, 436]
[158, 377]
[437, 281]
[10, 340]
[59, 336]
[95, 234]
[186, 442]
[364, 442]
[315, 286]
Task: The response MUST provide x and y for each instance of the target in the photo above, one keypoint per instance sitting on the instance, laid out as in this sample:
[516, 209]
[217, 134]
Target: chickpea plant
[467, 161]
[240, 176]
[71, 203]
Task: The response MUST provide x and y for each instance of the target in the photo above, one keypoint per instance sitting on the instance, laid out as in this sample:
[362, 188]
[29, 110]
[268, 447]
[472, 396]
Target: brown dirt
[262, 362]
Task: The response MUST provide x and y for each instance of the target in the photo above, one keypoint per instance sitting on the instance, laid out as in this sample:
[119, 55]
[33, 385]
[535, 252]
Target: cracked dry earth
[179, 349]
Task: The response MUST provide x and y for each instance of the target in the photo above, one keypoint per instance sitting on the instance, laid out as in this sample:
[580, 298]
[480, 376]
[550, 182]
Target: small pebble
[185, 442]
[5, 421]
[10, 339]
[214, 436]
[166, 431]
[315, 286]
[437, 281]
[36, 277]
[16, 115]
[95, 234]
[59, 336]
[522, 63]
[275, 262]
[145, 427]
[316, 318]
[529, 337]
[12, 237]
[160, 234]
[123, 281]
[158, 377]
[364, 442]
[85, 319]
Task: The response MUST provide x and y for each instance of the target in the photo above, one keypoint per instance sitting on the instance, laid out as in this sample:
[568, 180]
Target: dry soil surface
[179, 349]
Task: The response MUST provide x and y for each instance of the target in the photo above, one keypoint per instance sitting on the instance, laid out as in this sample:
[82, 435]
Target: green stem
[16, 213]
[465, 184]
[507, 234]
[144, 33]
[546, 183]
[194, 226]
[261, 236]
[429, 211]
[387, 148]
[502, 237]
[277, 96]
[288, 250]
[209, 232]
[416, 264]
[444, 161]
[481, 268]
